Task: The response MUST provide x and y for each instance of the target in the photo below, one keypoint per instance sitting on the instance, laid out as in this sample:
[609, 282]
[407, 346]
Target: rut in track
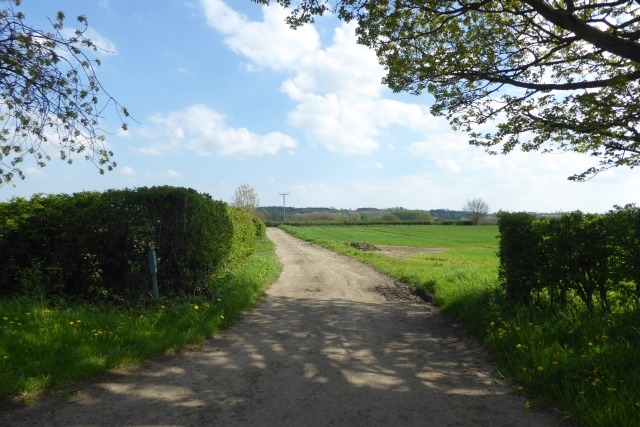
[326, 348]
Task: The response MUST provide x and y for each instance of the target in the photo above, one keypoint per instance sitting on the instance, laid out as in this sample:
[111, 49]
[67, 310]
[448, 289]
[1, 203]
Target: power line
[284, 206]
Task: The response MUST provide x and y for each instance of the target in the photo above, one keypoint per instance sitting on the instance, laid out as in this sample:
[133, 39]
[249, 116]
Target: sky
[225, 93]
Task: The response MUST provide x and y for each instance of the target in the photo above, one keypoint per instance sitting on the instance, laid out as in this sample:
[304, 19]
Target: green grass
[587, 364]
[45, 344]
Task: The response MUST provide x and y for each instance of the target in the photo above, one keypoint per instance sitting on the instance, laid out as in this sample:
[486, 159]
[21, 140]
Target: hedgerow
[584, 256]
[97, 243]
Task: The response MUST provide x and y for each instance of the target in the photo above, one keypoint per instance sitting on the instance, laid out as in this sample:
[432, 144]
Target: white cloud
[34, 172]
[448, 165]
[105, 46]
[127, 171]
[337, 87]
[379, 165]
[166, 174]
[204, 131]
[183, 70]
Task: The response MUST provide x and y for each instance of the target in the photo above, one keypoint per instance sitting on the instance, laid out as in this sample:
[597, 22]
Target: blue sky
[225, 93]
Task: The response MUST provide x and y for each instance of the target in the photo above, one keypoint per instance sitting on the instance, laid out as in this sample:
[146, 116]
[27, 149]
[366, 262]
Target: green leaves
[555, 77]
[46, 83]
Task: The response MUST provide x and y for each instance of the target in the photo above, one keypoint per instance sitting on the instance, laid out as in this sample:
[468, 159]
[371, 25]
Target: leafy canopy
[48, 95]
[557, 75]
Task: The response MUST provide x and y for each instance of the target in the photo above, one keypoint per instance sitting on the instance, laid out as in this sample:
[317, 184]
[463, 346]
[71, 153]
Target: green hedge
[577, 255]
[98, 242]
[261, 228]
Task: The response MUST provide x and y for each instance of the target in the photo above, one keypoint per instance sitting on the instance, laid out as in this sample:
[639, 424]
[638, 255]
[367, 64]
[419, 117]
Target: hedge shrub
[261, 228]
[90, 241]
[586, 256]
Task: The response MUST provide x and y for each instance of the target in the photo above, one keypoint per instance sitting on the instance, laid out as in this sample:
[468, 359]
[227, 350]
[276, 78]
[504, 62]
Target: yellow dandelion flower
[19, 324]
[28, 314]
[15, 318]
[594, 383]
[5, 318]
[530, 324]
[524, 369]
[219, 300]
[6, 357]
[582, 392]
[519, 346]
[71, 323]
[222, 317]
[78, 321]
[540, 368]
[517, 328]
[47, 311]
[520, 388]
[527, 405]
[162, 306]
[11, 322]
[148, 333]
[195, 306]
[604, 337]
[611, 389]
[555, 362]
[492, 323]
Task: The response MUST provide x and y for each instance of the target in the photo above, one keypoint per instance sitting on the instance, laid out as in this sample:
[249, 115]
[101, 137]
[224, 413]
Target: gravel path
[325, 349]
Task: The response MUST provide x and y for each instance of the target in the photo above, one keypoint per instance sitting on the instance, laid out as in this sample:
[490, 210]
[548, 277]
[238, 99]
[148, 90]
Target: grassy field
[47, 343]
[587, 364]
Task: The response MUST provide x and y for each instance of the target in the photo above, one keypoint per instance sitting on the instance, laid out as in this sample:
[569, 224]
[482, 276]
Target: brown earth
[336, 343]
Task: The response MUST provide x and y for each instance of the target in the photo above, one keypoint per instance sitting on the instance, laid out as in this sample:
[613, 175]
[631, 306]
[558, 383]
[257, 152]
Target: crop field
[587, 364]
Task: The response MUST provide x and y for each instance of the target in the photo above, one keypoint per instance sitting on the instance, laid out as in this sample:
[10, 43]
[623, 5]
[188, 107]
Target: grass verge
[45, 344]
[587, 364]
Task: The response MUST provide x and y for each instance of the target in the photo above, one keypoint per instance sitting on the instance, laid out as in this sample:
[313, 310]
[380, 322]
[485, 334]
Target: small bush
[261, 228]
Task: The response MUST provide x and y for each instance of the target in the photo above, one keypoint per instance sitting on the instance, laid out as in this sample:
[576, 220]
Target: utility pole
[284, 206]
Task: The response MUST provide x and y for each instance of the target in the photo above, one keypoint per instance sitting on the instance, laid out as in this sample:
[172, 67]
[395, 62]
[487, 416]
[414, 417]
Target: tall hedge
[579, 255]
[71, 244]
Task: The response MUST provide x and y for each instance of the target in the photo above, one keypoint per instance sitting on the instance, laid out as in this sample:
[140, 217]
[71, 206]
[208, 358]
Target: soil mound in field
[362, 246]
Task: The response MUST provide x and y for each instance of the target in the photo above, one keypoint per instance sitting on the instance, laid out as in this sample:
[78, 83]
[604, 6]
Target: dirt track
[326, 348]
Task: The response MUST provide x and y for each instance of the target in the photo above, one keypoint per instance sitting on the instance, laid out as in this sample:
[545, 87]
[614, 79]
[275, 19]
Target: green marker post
[153, 269]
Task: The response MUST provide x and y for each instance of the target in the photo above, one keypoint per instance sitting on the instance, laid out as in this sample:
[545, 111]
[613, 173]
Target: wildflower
[492, 323]
[11, 322]
[604, 337]
[148, 333]
[555, 362]
[47, 311]
[520, 388]
[524, 369]
[540, 368]
[611, 389]
[219, 300]
[527, 405]
[15, 318]
[5, 318]
[517, 328]
[222, 317]
[6, 357]
[594, 383]
[19, 324]
[28, 314]
[71, 323]
[583, 355]
[497, 312]
[589, 343]
[530, 324]
[195, 306]
[582, 392]
[162, 306]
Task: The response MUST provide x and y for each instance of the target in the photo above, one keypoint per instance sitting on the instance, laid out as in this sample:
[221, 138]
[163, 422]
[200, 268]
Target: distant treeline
[275, 213]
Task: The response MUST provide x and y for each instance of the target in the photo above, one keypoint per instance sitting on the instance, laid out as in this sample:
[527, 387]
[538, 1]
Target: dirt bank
[326, 348]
